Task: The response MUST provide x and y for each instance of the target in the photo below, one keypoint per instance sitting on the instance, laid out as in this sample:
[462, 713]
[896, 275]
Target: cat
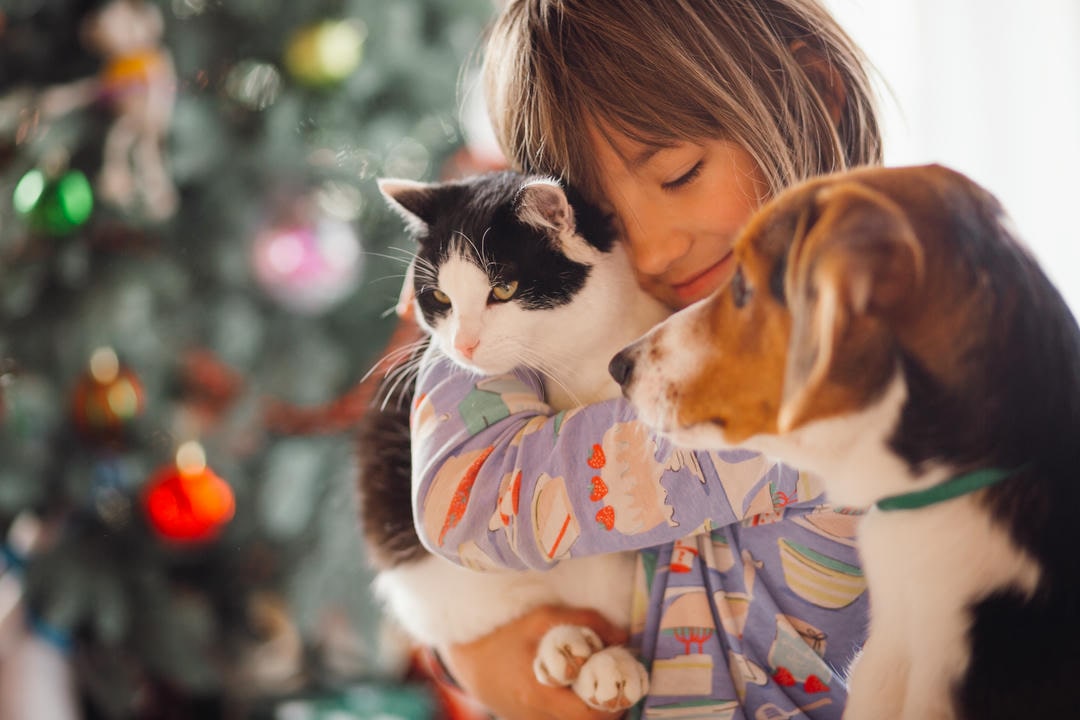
[511, 270]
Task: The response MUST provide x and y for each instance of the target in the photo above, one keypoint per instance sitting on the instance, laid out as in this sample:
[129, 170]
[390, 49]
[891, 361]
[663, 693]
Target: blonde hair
[765, 74]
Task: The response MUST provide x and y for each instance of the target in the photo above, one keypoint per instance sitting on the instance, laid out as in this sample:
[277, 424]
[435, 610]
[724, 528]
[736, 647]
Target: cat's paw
[612, 679]
[562, 653]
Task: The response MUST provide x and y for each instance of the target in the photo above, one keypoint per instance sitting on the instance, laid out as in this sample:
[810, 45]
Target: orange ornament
[108, 396]
[187, 502]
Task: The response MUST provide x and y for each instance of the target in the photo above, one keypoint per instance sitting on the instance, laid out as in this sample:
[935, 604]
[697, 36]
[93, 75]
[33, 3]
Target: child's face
[679, 209]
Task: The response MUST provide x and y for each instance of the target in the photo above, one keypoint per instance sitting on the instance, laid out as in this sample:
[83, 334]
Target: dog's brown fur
[896, 307]
[841, 304]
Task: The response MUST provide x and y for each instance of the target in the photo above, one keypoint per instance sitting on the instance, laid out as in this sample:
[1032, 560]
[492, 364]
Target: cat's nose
[467, 347]
[621, 367]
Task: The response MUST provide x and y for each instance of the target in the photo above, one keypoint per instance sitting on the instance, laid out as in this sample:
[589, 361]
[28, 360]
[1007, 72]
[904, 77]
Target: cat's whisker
[483, 241]
[424, 274]
[406, 350]
[558, 367]
[475, 250]
[392, 276]
[551, 369]
[564, 362]
[490, 266]
[394, 356]
[410, 257]
[424, 266]
[405, 260]
[402, 375]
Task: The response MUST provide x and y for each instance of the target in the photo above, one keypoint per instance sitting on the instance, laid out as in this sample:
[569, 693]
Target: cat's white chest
[443, 603]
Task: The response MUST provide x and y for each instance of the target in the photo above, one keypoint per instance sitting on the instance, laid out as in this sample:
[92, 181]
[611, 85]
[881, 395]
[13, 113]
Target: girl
[680, 117]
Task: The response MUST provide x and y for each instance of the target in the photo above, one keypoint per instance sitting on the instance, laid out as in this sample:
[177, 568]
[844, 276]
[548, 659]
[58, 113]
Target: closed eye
[686, 178]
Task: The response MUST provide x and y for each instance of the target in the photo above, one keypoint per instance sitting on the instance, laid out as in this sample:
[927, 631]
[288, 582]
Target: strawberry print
[813, 684]
[597, 459]
[783, 677]
[599, 489]
[606, 517]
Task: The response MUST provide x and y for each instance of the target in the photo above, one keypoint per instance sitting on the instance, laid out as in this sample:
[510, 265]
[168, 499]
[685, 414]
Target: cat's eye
[504, 291]
[440, 296]
[740, 293]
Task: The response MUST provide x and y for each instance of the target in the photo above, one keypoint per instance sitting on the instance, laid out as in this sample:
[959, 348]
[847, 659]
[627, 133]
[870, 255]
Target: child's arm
[501, 481]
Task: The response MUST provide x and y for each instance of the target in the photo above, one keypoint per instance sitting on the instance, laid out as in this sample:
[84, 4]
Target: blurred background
[992, 88]
[197, 273]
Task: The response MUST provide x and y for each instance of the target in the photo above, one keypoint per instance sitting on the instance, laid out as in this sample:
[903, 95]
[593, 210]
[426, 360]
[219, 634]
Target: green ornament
[325, 53]
[54, 206]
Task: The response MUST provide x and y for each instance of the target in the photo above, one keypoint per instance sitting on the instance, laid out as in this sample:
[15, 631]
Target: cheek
[741, 384]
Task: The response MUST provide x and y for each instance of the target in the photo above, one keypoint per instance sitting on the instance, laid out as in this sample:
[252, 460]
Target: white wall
[991, 88]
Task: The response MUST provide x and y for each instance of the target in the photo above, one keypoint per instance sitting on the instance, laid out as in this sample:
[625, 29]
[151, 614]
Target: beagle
[885, 329]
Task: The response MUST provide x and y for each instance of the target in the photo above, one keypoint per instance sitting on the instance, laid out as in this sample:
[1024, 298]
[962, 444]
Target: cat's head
[501, 258]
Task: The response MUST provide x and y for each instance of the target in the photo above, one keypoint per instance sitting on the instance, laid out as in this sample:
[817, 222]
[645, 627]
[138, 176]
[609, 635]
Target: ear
[413, 201]
[542, 203]
[856, 263]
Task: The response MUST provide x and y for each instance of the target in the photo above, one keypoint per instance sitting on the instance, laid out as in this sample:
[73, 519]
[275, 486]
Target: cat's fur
[512, 270]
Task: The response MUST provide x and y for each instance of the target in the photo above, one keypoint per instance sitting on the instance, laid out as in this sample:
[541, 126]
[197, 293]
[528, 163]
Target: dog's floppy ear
[852, 265]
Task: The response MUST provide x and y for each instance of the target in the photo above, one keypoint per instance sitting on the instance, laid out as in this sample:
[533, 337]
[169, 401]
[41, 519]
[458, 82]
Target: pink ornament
[308, 269]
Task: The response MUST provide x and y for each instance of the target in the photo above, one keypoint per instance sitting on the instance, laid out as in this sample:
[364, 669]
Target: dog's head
[843, 282]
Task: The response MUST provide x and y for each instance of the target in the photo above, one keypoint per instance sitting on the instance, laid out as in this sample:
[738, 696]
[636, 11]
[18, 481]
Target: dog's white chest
[925, 568]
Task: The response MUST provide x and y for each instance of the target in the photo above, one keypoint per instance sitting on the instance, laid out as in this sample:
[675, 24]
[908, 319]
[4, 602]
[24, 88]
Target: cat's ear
[542, 203]
[414, 201]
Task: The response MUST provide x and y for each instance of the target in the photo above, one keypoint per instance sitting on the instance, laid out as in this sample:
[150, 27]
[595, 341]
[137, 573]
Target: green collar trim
[954, 487]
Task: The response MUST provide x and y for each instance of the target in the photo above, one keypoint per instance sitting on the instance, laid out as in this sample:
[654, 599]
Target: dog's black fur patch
[1019, 408]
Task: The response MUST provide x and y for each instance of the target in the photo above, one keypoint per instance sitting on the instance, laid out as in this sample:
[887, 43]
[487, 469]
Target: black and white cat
[512, 271]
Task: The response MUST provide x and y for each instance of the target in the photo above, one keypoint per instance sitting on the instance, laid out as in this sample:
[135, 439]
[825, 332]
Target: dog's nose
[621, 367]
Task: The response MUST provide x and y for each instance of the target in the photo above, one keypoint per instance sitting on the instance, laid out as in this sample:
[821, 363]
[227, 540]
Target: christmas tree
[196, 272]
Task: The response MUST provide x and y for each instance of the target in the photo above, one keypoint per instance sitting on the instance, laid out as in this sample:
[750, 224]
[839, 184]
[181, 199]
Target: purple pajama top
[749, 601]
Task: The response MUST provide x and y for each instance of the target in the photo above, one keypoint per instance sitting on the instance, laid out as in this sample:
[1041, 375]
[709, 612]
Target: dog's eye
[740, 293]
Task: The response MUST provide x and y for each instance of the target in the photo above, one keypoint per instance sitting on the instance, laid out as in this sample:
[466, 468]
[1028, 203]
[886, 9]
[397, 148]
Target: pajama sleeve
[500, 480]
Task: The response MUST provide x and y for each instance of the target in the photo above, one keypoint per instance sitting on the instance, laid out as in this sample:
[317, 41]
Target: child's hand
[497, 668]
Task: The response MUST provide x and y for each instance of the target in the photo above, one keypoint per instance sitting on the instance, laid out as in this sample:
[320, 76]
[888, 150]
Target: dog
[886, 330]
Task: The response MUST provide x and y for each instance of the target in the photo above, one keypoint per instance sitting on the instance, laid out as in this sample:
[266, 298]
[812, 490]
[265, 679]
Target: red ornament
[107, 397]
[187, 502]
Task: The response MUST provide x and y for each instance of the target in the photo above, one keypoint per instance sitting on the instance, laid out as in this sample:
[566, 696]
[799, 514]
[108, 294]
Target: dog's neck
[852, 453]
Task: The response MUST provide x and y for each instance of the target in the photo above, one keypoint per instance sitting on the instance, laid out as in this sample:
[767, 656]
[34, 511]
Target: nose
[655, 247]
[621, 367]
[466, 346]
